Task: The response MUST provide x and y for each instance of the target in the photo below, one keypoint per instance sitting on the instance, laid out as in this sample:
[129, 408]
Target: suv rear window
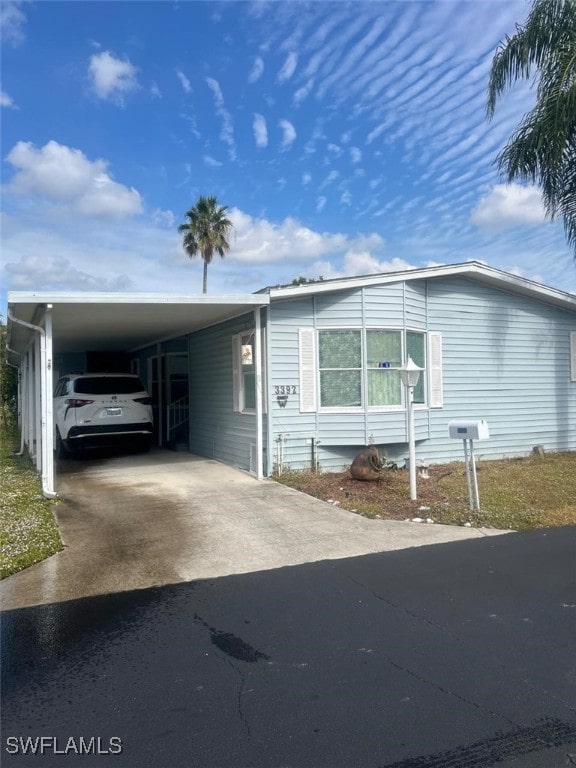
[115, 385]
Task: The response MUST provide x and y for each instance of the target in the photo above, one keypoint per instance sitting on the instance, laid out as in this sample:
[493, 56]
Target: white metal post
[37, 441]
[48, 436]
[411, 443]
[30, 395]
[258, 366]
[468, 481]
[474, 476]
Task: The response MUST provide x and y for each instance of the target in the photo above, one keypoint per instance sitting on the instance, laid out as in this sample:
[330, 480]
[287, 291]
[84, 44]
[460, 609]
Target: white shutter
[572, 355]
[436, 399]
[307, 360]
[237, 372]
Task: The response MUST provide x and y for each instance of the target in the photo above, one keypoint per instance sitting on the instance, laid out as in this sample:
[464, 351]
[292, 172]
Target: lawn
[28, 531]
[517, 494]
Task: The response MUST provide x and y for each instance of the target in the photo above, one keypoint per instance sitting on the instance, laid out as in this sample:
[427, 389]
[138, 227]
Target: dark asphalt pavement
[459, 655]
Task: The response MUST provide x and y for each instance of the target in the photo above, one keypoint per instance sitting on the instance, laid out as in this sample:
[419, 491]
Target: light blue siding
[335, 433]
[415, 307]
[384, 305]
[216, 430]
[337, 309]
[505, 359]
[291, 430]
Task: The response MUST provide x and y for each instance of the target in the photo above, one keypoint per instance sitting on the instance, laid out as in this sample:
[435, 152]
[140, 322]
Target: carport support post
[258, 351]
[37, 441]
[47, 409]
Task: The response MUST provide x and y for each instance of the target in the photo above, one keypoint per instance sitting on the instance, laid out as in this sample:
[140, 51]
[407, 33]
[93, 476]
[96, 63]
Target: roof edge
[98, 297]
[474, 269]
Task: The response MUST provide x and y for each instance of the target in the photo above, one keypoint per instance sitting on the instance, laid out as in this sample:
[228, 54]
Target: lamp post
[410, 373]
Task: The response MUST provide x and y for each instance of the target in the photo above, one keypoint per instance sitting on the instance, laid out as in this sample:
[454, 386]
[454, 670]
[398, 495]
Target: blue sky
[346, 139]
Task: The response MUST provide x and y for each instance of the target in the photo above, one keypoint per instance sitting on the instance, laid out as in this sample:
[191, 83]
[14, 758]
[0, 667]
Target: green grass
[28, 531]
[516, 494]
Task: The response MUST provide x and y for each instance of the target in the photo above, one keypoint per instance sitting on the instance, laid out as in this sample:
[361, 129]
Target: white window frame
[340, 408]
[238, 387]
[364, 407]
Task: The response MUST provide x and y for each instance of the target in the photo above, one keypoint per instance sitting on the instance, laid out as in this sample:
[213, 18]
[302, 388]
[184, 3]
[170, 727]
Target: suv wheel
[62, 450]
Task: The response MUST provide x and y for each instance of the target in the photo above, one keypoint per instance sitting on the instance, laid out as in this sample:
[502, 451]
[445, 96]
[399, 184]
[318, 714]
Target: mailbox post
[470, 430]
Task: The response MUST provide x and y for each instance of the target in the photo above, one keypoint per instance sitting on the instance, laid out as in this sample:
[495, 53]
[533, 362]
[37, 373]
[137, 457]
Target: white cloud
[12, 21]
[66, 177]
[211, 162]
[346, 197]
[257, 70]
[260, 131]
[155, 91]
[260, 241]
[184, 82]
[112, 78]
[509, 205]
[289, 133]
[288, 68]
[227, 131]
[358, 262]
[320, 203]
[332, 176]
[334, 149]
[164, 218]
[302, 92]
[6, 101]
[57, 273]
[306, 179]
[355, 154]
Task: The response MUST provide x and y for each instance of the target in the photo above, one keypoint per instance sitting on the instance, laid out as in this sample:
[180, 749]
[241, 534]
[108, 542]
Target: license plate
[113, 411]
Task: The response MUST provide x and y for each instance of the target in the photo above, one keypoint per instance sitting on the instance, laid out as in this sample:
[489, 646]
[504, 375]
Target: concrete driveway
[130, 522]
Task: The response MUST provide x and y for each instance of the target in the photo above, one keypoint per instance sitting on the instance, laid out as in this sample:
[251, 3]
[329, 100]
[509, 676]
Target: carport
[42, 325]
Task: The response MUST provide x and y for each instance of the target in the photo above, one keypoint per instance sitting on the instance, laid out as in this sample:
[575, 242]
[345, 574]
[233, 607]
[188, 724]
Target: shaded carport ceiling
[125, 321]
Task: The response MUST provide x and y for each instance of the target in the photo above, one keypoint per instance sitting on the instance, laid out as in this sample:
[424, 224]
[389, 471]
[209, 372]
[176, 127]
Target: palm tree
[206, 232]
[543, 148]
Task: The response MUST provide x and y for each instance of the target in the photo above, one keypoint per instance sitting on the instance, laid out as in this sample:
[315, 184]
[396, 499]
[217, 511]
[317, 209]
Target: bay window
[355, 361]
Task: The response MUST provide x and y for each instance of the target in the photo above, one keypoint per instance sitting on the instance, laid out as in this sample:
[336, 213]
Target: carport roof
[122, 321]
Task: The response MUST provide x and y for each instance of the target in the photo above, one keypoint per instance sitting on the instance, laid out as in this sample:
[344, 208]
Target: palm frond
[542, 150]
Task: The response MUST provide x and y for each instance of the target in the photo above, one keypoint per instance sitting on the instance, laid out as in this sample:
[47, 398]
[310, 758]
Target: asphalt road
[459, 655]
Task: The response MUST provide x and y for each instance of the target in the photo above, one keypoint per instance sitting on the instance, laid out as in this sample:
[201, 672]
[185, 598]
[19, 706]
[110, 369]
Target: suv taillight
[143, 400]
[75, 402]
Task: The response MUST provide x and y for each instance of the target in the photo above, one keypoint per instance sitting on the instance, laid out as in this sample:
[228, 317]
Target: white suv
[100, 409]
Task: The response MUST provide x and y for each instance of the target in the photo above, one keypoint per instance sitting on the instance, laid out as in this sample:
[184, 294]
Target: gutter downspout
[45, 365]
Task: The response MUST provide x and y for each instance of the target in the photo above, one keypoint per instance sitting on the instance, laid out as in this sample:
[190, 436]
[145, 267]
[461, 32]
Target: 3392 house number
[285, 389]
[282, 392]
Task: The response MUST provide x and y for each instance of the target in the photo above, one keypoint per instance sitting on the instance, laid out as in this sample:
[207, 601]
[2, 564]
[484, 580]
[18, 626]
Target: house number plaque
[283, 392]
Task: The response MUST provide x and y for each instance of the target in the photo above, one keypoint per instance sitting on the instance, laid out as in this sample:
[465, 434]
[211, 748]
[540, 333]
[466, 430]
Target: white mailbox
[469, 429]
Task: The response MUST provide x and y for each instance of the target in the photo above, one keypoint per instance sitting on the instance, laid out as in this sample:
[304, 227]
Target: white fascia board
[66, 297]
[346, 283]
[475, 270]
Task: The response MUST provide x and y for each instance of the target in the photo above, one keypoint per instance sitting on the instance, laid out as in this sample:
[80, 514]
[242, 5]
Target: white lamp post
[410, 373]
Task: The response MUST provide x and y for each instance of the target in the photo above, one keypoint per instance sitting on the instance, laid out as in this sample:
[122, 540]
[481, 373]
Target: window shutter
[572, 355]
[307, 360]
[237, 372]
[435, 365]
